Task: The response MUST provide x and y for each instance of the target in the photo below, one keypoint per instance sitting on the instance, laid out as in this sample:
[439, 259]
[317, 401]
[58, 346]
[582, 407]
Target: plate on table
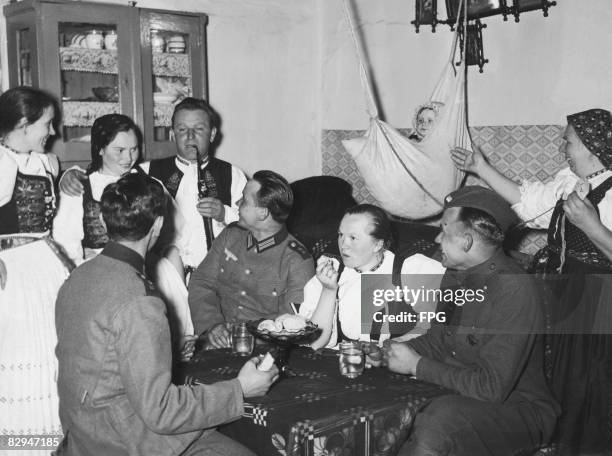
[306, 335]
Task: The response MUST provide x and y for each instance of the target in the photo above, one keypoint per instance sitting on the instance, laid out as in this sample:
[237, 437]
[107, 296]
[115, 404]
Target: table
[317, 411]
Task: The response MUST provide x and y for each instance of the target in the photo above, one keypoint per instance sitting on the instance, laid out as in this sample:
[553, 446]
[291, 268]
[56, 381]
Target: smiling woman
[31, 267]
[115, 148]
[79, 229]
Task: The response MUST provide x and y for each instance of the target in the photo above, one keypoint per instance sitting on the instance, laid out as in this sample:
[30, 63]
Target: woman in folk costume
[577, 209]
[78, 226]
[333, 297]
[31, 265]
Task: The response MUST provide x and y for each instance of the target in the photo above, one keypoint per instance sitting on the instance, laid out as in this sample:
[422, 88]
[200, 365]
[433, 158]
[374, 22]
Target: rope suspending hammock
[411, 179]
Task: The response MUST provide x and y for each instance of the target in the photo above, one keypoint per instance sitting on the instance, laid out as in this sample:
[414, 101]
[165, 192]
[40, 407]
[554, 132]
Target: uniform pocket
[272, 293]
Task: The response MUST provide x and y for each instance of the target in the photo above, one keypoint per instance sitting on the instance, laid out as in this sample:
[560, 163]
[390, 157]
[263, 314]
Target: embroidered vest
[31, 208]
[167, 172]
[577, 243]
[94, 231]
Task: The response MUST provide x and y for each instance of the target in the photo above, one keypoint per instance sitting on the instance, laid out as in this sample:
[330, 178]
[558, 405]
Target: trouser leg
[456, 425]
[216, 444]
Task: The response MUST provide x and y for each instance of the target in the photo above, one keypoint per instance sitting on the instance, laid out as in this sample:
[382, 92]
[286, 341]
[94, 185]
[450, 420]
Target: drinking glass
[242, 340]
[351, 359]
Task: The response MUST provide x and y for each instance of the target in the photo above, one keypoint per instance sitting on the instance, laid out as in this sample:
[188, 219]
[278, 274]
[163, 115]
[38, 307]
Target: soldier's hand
[71, 184]
[211, 207]
[219, 337]
[187, 345]
[255, 382]
[401, 358]
[373, 354]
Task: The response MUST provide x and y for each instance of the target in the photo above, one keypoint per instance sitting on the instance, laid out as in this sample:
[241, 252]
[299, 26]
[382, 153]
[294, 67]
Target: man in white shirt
[194, 126]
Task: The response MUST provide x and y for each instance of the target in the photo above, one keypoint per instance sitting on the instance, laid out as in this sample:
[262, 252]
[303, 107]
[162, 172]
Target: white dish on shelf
[85, 138]
[160, 97]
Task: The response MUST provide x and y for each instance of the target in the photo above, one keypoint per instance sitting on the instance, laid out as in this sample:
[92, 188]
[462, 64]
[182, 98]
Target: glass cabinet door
[89, 76]
[24, 56]
[87, 61]
[101, 58]
[173, 68]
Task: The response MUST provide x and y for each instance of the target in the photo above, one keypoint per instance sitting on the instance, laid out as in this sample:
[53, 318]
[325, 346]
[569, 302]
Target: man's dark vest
[31, 208]
[167, 172]
[94, 231]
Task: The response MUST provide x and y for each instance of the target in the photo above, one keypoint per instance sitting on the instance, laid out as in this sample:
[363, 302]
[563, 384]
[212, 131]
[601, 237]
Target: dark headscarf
[594, 128]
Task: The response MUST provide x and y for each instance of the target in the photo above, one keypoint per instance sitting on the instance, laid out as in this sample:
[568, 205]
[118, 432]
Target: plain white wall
[263, 80]
[540, 69]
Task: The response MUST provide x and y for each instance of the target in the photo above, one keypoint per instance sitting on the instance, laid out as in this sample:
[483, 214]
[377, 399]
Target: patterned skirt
[28, 367]
[578, 307]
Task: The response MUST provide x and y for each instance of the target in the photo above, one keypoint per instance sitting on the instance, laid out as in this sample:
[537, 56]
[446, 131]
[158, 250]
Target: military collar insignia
[267, 243]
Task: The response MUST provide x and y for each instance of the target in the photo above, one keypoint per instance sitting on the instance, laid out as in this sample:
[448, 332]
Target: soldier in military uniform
[488, 350]
[255, 268]
[114, 351]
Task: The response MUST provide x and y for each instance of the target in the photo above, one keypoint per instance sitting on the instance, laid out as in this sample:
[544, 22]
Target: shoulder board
[299, 248]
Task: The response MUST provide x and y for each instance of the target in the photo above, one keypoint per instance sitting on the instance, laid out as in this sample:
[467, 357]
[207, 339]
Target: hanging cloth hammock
[411, 179]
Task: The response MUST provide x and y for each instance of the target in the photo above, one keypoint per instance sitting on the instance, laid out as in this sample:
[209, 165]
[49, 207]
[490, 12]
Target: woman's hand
[581, 213]
[327, 274]
[468, 160]
[2, 275]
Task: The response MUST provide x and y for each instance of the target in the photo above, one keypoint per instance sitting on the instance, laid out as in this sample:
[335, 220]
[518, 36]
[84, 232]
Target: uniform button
[222, 270]
[247, 271]
[243, 293]
[492, 266]
[454, 353]
[240, 307]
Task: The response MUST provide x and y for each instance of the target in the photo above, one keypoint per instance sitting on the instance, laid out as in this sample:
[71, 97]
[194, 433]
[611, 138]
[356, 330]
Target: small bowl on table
[106, 93]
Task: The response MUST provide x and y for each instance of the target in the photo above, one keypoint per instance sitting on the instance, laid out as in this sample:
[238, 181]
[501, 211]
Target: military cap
[486, 200]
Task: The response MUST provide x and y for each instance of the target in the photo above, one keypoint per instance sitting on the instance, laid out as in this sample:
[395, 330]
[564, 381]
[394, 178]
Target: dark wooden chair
[319, 202]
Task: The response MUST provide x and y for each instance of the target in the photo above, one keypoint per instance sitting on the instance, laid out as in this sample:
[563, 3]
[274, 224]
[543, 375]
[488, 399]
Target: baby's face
[425, 121]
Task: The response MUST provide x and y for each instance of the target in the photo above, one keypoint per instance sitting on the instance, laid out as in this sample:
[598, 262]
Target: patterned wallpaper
[520, 152]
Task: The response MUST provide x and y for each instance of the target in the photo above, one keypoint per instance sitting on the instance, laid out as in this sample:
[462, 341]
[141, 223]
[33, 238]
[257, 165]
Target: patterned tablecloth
[317, 411]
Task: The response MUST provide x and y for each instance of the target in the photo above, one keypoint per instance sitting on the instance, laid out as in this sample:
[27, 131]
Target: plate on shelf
[160, 97]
